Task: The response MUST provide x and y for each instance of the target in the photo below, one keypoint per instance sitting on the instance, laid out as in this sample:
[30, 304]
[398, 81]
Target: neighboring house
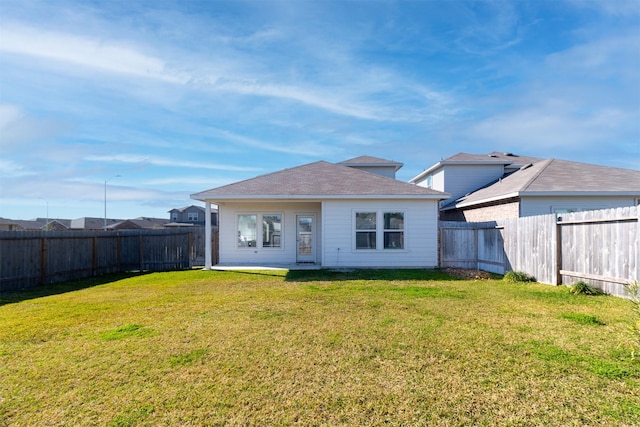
[140, 223]
[56, 225]
[38, 224]
[191, 215]
[10, 225]
[331, 215]
[88, 223]
[505, 185]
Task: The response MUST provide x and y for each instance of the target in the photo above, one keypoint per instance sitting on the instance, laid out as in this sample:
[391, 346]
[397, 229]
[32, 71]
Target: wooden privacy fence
[600, 247]
[31, 258]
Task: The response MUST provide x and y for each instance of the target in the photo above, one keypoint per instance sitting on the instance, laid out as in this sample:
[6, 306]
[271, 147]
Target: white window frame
[260, 231]
[385, 231]
[261, 227]
[193, 216]
[379, 230]
[356, 230]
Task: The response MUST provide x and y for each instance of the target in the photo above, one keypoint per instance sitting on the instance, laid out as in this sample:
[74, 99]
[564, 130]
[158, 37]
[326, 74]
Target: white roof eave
[318, 197]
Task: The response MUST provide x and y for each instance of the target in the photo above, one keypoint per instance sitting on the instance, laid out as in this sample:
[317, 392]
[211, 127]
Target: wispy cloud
[88, 52]
[18, 128]
[167, 162]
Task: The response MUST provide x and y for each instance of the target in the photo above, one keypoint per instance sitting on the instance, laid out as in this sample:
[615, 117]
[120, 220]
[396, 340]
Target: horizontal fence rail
[600, 247]
[32, 258]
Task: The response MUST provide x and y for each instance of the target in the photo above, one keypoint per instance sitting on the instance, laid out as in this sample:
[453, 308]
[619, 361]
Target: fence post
[141, 252]
[476, 254]
[118, 252]
[94, 257]
[43, 262]
[558, 259]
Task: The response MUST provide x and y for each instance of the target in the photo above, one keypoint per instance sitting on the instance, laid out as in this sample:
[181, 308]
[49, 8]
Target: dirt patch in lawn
[469, 274]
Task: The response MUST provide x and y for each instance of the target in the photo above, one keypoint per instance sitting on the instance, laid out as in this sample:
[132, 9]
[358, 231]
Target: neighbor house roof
[554, 177]
[319, 180]
[509, 160]
[371, 161]
[185, 208]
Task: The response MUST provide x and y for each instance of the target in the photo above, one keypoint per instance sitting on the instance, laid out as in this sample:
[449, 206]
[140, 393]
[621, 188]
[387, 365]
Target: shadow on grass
[12, 297]
[354, 274]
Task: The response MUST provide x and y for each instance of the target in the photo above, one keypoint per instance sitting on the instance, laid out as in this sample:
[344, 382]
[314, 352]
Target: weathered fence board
[600, 247]
[29, 259]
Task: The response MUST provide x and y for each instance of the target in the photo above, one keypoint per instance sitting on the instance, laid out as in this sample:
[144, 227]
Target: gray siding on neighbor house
[463, 179]
[459, 180]
[378, 170]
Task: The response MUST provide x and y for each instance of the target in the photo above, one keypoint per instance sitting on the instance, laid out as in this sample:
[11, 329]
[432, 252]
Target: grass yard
[403, 348]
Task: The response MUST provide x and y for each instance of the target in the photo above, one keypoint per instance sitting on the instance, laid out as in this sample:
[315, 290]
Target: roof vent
[492, 155]
[528, 165]
[508, 154]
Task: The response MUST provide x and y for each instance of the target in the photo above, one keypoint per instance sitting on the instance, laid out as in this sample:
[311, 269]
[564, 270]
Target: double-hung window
[379, 230]
[366, 230]
[394, 230]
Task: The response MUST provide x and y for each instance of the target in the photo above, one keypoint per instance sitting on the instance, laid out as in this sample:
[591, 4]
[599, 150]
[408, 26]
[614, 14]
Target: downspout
[207, 236]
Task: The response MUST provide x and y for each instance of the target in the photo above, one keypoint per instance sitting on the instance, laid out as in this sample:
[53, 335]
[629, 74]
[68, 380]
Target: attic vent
[508, 154]
[492, 155]
[528, 165]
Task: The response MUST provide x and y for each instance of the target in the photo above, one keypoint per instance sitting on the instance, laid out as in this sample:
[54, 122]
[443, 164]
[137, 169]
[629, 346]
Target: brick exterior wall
[485, 213]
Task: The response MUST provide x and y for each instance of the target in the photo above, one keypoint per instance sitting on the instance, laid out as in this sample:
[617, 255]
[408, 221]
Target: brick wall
[486, 213]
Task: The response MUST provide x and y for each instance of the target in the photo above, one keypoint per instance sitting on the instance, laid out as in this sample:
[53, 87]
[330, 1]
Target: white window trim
[379, 230]
[259, 230]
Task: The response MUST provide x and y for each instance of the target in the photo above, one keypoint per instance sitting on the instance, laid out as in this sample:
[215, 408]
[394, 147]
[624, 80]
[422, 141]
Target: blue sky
[178, 97]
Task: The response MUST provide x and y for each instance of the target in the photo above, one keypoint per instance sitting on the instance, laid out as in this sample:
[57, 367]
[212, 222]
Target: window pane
[394, 221]
[365, 221]
[271, 231]
[394, 240]
[246, 231]
[366, 240]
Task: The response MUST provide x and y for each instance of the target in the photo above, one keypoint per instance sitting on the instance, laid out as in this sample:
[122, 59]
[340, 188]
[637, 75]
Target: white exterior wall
[230, 253]
[421, 234]
[530, 206]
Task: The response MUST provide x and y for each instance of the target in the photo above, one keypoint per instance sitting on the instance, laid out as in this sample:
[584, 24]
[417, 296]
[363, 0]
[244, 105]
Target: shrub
[583, 288]
[518, 277]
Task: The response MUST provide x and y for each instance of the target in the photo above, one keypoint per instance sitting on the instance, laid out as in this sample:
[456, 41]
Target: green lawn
[266, 348]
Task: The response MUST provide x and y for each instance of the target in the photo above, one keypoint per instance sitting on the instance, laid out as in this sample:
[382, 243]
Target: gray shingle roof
[319, 180]
[561, 177]
[495, 157]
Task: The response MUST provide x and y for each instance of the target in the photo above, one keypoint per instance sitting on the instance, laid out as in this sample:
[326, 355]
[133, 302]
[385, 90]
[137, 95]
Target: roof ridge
[545, 165]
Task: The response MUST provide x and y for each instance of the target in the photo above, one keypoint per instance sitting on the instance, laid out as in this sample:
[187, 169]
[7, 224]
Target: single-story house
[350, 214]
[505, 185]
